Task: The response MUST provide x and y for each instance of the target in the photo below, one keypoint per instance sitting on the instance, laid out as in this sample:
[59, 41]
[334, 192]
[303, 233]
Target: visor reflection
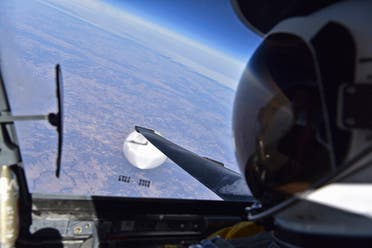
[290, 153]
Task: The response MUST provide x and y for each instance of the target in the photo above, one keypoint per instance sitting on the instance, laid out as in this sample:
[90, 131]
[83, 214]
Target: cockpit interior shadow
[46, 237]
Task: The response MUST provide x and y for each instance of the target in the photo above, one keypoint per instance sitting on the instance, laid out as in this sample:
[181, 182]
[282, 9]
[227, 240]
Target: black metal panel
[69, 221]
[355, 106]
[117, 207]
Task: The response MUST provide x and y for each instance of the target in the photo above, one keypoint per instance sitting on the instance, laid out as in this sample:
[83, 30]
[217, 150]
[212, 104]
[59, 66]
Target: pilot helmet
[301, 113]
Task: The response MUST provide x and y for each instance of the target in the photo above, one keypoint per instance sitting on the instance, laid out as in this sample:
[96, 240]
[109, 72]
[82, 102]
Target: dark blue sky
[211, 22]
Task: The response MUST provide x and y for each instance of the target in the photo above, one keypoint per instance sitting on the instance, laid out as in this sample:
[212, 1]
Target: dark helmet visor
[279, 129]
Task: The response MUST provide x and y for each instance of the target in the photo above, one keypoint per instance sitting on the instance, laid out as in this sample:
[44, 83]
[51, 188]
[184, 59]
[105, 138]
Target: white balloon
[141, 153]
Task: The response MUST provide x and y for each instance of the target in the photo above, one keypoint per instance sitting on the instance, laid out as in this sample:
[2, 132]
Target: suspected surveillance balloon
[141, 153]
